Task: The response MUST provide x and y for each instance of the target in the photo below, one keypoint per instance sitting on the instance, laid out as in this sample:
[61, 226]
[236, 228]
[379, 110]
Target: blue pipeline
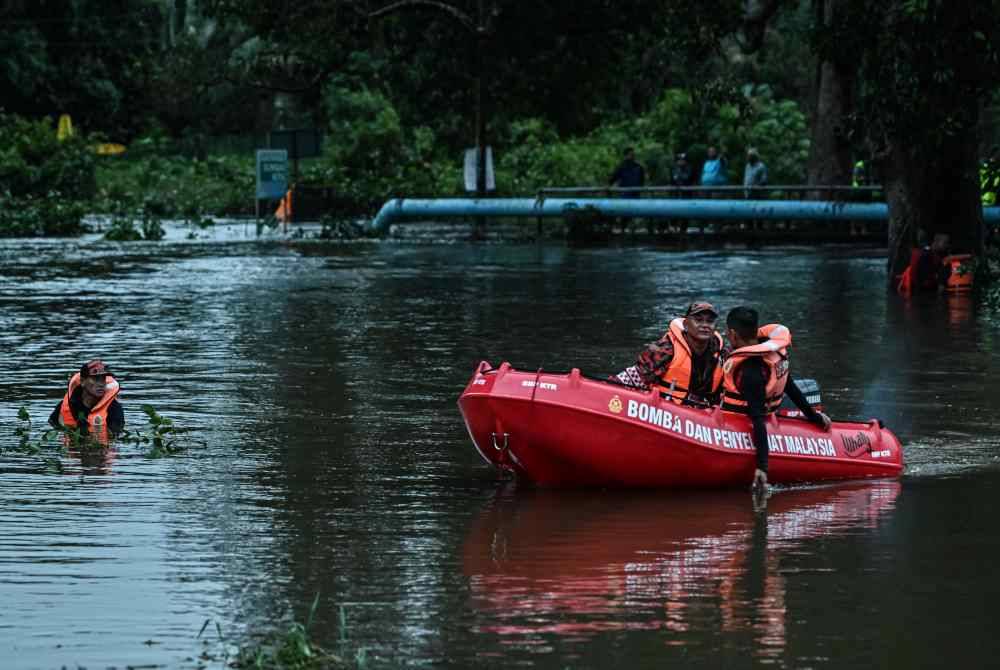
[402, 209]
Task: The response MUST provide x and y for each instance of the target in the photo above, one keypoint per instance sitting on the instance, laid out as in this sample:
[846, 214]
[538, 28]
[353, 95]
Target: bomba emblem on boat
[615, 405]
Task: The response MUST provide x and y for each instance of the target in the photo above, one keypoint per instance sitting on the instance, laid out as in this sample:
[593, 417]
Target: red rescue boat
[565, 429]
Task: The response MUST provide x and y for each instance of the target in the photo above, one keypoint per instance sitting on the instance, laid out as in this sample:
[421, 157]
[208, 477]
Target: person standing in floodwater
[90, 403]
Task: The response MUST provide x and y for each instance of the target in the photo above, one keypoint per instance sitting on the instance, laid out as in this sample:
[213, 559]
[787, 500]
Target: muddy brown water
[322, 380]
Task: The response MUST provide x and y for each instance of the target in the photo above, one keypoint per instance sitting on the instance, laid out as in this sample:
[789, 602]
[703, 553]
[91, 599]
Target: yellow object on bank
[65, 129]
[109, 149]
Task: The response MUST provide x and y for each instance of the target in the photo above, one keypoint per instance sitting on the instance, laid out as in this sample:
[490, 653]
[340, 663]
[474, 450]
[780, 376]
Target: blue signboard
[272, 173]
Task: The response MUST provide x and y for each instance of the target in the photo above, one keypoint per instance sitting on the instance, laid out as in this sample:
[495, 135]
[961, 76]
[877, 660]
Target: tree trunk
[830, 151]
[934, 191]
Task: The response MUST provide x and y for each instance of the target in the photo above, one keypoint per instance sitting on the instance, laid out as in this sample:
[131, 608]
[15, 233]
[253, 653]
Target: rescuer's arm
[795, 393]
[54, 417]
[655, 360]
[752, 386]
[116, 417]
[652, 362]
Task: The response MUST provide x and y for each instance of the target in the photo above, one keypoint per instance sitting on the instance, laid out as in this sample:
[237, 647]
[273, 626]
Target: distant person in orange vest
[685, 365]
[929, 268]
[757, 377]
[90, 404]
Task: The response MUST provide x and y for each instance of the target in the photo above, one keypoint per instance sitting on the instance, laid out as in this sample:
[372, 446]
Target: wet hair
[744, 321]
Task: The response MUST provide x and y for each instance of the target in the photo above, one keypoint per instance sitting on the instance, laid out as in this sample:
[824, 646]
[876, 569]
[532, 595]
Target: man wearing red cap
[90, 404]
[686, 363]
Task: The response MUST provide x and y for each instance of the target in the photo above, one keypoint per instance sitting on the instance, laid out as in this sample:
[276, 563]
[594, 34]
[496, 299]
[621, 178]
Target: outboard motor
[810, 389]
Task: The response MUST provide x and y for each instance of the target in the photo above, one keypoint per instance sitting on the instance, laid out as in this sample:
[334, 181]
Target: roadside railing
[824, 191]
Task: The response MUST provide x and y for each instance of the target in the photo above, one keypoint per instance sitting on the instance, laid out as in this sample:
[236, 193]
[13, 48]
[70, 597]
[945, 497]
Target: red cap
[94, 368]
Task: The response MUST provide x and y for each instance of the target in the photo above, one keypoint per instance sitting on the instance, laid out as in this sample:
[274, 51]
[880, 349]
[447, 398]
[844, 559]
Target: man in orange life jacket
[757, 377]
[684, 364]
[90, 402]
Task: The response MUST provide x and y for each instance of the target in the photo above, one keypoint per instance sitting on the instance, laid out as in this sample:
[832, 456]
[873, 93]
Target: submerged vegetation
[289, 647]
[160, 438]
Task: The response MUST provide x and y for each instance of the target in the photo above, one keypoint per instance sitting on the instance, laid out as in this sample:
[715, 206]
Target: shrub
[46, 182]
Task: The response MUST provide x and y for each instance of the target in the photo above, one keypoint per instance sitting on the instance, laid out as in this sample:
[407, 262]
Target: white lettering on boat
[697, 431]
[731, 439]
[545, 386]
[653, 415]
[776, 443]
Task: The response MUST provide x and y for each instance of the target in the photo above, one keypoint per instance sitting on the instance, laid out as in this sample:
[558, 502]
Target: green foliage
[370, 157]
[88, 58]
[34, 163]
[924, 67]
[123, 227]
[54, 441]
[535, 157]
[161, 438]
[30, 216]
[175, 186]
[290, 649]
[161, 434]
[46, 183]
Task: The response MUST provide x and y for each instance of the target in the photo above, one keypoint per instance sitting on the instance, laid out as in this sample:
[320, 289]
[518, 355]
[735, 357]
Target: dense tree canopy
[925, 68]
[901, 83]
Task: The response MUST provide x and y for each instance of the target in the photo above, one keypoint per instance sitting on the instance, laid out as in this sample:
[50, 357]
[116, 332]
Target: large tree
[925, 67]
[830, 157]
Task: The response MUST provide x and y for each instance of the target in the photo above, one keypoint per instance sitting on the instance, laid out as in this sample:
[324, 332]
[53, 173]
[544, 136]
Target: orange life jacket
[904, 285]
[956, 281]
[97, 419]
[675, 383]
[773, 350]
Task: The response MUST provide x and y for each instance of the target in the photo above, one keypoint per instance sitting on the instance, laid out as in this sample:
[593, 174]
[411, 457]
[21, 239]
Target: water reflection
[572, 564]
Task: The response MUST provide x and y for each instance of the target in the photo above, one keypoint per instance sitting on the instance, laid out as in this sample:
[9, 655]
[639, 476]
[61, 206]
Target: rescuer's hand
[824, 421]
[759, 480]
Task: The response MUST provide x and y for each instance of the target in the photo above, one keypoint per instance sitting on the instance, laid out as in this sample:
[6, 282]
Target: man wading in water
[90, 403]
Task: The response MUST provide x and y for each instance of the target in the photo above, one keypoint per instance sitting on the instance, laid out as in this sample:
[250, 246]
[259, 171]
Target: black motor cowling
[810, 389]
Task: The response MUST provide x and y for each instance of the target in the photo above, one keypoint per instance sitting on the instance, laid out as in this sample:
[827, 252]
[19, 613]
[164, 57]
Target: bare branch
[455, 12]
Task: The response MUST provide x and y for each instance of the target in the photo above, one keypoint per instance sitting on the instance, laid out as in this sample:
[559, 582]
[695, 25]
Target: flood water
[320, 382]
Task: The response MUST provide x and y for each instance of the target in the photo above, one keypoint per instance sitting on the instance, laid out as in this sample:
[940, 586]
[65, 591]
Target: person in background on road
[859, 174]
[90, 404]
[754, 174]
[685, 365]
[681, 173]
[989, 177]
[756, 378]
[714, 171]
[628, 174]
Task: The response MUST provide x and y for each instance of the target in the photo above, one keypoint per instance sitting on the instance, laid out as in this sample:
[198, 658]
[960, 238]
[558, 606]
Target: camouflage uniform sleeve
[654, 360]
[650, 364]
